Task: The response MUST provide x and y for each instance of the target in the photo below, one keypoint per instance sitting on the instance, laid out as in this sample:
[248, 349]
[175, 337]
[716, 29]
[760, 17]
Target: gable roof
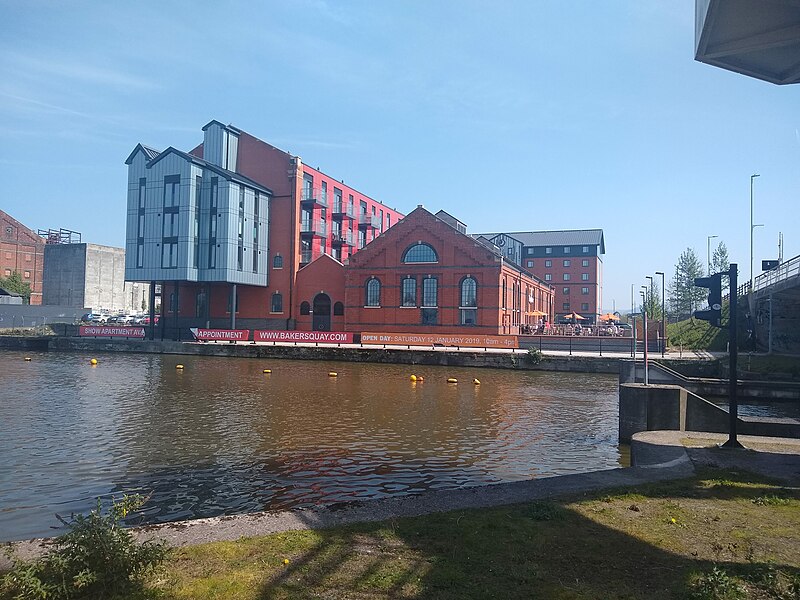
[230, 175]
[569, 237]
[149, 153]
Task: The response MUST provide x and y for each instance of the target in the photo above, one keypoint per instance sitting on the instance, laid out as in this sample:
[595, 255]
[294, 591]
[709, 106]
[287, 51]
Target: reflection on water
[222, 437]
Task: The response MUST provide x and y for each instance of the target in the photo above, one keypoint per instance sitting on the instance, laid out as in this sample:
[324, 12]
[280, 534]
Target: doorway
[322, 313]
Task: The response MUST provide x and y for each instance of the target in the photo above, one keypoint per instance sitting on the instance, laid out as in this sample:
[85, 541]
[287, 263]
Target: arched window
[420, 253]
[373, 289]
[277, 262]
[468, 304]
[409, 291]
[305, 308]
[338, 309]
[277, 303]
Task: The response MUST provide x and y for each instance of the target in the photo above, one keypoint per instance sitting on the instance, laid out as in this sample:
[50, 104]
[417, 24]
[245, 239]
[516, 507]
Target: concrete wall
[14, 316]
[671, 407]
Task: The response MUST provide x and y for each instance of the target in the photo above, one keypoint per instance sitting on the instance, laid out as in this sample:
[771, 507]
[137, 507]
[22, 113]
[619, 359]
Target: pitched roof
[211, 167]
[570, 237]
[149, 153]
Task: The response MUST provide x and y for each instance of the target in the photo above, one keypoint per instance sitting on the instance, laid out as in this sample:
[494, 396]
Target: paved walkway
[658, 456]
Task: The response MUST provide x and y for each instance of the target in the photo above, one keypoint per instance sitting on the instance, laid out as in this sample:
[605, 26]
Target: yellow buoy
[93, 361]
[179, 366]
[333, 374]
[452, 380]
[27, 359]
[286, 561]
[267, 371]
[413, 377]
[476, 381]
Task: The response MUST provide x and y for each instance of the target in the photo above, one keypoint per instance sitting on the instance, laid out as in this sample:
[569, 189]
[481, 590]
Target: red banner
[106, 331]
[326, 337]
[220, 335]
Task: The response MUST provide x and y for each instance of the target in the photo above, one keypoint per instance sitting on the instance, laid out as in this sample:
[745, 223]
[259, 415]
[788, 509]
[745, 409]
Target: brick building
[571, 261]
[426, 275]
[21, 250]
[227, 227]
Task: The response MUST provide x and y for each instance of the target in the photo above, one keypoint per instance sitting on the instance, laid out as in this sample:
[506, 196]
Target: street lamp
[663, 316]
[649, 289]
[644, 333]
[752, 227]
[708, 252]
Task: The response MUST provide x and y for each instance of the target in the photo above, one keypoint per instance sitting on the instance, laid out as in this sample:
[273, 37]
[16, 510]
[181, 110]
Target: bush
[534, 355]
[96, 558]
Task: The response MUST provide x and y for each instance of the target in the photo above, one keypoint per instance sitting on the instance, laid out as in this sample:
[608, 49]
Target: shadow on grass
[545, 549]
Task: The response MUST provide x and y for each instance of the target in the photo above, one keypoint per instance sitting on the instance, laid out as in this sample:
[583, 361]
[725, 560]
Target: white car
[100, 319]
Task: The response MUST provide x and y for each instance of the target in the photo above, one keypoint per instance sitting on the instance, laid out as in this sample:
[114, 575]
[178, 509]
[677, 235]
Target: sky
[510, 115]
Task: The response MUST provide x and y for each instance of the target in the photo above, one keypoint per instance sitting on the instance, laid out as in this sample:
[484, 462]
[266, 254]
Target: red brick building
[21, 250]
[426, 275]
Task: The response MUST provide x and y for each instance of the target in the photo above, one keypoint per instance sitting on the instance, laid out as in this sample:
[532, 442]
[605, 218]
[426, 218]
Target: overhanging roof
[759, 38]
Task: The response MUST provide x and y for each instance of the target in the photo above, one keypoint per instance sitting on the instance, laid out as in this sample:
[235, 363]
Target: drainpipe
[233, 307]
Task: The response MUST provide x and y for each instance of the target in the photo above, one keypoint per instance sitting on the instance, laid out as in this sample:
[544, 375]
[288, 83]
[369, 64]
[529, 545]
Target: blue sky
[517, 115]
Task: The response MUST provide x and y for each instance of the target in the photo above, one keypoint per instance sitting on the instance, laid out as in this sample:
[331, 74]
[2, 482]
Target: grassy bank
[706, 537]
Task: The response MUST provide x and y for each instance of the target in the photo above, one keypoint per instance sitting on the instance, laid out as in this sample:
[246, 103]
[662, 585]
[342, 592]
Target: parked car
[89, 317]
[146, 320]
[100, 319]
[126, 319]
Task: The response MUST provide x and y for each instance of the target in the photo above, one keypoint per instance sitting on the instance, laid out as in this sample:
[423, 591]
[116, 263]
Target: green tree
[652, 302]
[14, 283]
[684, 296]
[720, 262]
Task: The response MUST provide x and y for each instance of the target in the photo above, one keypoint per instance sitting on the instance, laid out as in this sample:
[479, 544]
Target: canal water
[222, 437]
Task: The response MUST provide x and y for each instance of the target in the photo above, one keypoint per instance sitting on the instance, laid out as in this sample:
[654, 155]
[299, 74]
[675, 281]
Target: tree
[684, 296]
[652, 302]
[14, 283]
[720, 263]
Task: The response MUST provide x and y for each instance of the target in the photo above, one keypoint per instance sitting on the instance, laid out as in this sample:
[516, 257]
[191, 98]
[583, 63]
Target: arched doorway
[322, 313]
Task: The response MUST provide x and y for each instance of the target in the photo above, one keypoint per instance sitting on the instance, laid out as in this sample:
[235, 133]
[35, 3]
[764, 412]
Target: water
[222, 437]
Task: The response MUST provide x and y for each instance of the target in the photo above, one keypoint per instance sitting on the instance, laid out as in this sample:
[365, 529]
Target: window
[505, 292]
[362, 238]
[468, 305]
[565, 290]
[548, 263]
[277, 303]
[388, 220]
[409, 291]
[584, 263]
[530, 264]
[8, 272]
[430, 316]
[567, 249]
[170, 224]
[140, 254]
[240, 249]
[373, 289]
[305, 308]
[548, 250]
[548, 277]
[214, 191]
[169, 255]
[585, 306]
[567, 263]
[529, 251]
[565, 306]
[585, 249]
[142, 192]
[228, 309]
[420, 253]
[566, 276]
[584, 277]
[337, 200]
[585, 291]
[200, 305]
[255, 232]
[27, 274]
[511, 251]
[338, 309]
[173, 302]
[172, 188]
[430, 292]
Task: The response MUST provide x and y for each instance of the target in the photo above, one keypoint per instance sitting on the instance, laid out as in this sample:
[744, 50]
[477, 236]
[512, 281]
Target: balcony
[342, 211]
[366, 221]
[340, 238]
[305, 257]
[314, 197]
[313, 228]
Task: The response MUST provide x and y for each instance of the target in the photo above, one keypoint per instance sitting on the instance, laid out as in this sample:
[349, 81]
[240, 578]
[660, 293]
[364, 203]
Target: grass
[718, 535]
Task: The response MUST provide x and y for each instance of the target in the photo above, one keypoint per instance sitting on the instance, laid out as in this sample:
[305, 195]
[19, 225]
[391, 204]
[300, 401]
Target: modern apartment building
[571, 261]
[226, 227]
[21, 251]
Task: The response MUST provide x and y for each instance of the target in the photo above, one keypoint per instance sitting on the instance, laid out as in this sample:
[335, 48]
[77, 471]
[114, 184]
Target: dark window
[305, 308]
[567, 263]
[584, 263]
[420, 253]
[584, 277]
[200, 305]
[373, 289]
[338, 309]
[277, 303]
[566, 305]
[229, 302]
[430, 316]
[430, 292]
[409, 291]
[277, 262]
[172, 189]
[585, 291]
[585, 306]
[566, 277]
[468, 304]
[566, 290]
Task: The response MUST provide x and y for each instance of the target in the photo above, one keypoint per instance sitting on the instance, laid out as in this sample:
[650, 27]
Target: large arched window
[420, 253]
[373, 292]
[468, 304]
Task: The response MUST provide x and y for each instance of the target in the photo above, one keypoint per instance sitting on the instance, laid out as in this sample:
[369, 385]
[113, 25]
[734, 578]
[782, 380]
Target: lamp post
[708, 252]
[663, 316]
[752, 227]
[644, 334]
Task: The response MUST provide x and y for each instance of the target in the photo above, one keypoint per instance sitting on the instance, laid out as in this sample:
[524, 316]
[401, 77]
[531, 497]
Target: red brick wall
[323, 276]
[21, 250]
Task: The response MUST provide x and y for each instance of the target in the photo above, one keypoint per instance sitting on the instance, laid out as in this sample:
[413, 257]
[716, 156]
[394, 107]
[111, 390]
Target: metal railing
[315, 195]
[786, 270]
[340, 208]
[342, 236]
[317, 227]
[305, 256]
[369, 221]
